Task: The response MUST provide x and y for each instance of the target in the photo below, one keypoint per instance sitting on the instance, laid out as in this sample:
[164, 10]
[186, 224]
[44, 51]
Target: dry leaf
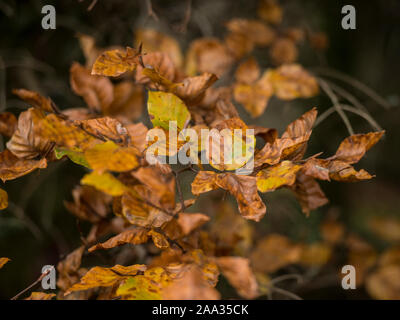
[41, 296]
[3, 261]
[116, 62]
[8, 124]
[3, 199]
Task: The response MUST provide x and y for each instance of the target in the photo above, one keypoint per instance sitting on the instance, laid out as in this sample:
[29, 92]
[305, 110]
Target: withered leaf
[36, 100]
[283, 50]
[12, 167]
[97, 91]
[160, 241]
[270, 11]
[26, 142]
[3, 199]
[136, 235]
[116, 62]
[383, 284]
[8, 124]
[160, 63]
[41, 296]
[191, 221]
[105, 277]
[248, 71]
[3, 261]
[243, 188]
[271, 178]
[257, 31]
[106, 129]
[239, 274]
[111, 157]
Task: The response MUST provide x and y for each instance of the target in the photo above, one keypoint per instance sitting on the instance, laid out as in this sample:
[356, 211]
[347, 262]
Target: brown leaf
[116, 62]
[160, 241]
[153, 41]
[353, 148]
[274, 252]
[160, 183]
[41, 296]
[283, 50]
[12, 167]
[105, 128]
[191, 221]
[256, 31]
[190, 286]
[159, 62]
[192, 89]
[248, 71]
[67, 269]
[36, 100]
[97, 91]
[8, 124]
[270, 11]
[137, 133]
[238, 44]
[26, 142]
[383, 284]
[207, 55]
[238, 272]
[243, 188]
[89, 204]
[136, 235]
[308, 193]
[128, 102]
[3, 199]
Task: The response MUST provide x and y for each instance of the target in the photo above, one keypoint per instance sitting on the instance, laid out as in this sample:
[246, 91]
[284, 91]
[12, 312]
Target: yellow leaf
[271, 178]
[160, 241]
[41, 296]
[3, 261]
[105, 277]
[109, 156]
[116, 62]
[105, 182]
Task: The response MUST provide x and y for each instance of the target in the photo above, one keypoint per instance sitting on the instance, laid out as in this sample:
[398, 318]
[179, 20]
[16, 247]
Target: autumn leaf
[274, 252]
[136, 235]
[164, 107]
[75, 155]
[148, 286]
[315, 254]
[248, 71]
[243, 188]
[3, 261]
[105, 277]
[161, 63]
[191, 285]
[3, 199]
[160, 241]
[353, 148]
[207, 55]
[153, 41]
[97, 91]
[238, 272]
[36, 100]
[271, 178]
[270, 11]
[283, 51]
[105, 182]
[41, 296]
[105, 128]
[109, 156]
[291, 81]
[191, 221]
[383, 283]
[116, 62]
[257, 31]
[26, 142]
[8, 124]
[12, 167]
[308, 193]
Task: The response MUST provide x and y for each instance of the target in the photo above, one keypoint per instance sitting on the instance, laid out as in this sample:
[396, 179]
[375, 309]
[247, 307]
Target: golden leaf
[257, 31]
[8, 124]
[271, 178]
[12, 167]
[136, 235]
[160, 241]
[3, 261]
[105, 277]
[115, 62]
[36, 100]
[191, 221]
[97, 91]
[109, 156]
[105, 182]
[41, 296]
[3, 199]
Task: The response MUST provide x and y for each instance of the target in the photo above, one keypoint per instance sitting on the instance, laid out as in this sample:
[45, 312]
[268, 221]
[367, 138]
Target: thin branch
[188, 12]
[355, 83]
[20, 214]
[286, 293]
[285, 277]
[336, 104]
[150, 11]
[32, 285]
[91, 6]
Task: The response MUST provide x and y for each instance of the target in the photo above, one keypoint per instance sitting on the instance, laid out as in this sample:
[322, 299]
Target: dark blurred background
[37, 230]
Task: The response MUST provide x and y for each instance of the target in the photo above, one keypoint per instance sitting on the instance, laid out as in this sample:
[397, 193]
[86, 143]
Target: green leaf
[164, 107]
[75, 156]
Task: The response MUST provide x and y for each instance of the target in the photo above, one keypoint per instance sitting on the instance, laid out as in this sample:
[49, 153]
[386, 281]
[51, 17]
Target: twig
[32, 285]
[188, 12]
[20, 214]
[355, 83]
[91, 6]
[150, 12]
[336, 104]
[287, 293]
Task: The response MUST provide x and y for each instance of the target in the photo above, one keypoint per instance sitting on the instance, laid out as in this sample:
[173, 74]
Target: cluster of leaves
[146, 200]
